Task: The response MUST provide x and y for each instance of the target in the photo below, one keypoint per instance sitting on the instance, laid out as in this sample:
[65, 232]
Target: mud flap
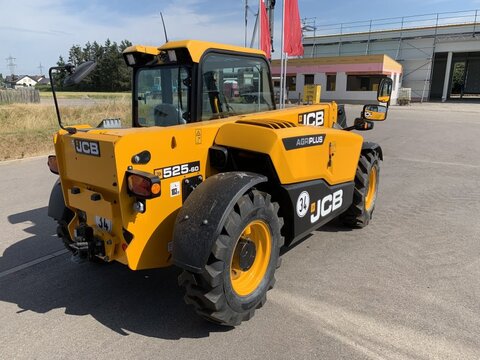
[201, 218]
[373, 147]
[56, 204]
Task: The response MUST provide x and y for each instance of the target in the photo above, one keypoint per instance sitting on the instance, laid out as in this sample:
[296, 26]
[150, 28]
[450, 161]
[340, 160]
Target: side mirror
[362, 124]
[79, 73]
[374, 112]
[385, 90]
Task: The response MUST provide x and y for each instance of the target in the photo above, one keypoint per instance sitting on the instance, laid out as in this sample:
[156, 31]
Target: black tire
[367, 178]
[213, 292]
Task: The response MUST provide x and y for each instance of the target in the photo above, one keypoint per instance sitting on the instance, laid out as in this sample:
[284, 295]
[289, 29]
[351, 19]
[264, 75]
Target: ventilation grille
[272, 124]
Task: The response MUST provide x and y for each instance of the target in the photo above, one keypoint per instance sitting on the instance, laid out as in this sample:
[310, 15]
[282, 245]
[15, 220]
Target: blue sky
[37, 32]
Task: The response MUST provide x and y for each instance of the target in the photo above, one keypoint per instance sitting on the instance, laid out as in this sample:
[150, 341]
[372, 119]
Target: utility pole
[11, 64]
[270, 11]
[40, 67]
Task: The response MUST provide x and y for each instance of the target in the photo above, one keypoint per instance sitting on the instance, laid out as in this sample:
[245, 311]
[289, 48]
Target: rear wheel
[360, 212]
[242, 263]
[62, 229]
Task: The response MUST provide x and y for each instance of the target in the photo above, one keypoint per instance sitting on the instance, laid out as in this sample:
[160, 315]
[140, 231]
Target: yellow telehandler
[211, 177]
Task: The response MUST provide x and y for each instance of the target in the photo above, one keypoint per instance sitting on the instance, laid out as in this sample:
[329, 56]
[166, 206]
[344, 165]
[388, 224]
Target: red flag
[293, 30]
[265, 43]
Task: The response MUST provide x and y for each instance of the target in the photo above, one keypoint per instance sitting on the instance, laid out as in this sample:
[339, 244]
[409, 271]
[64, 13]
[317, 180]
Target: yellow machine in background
[311, 94]
[211, 177]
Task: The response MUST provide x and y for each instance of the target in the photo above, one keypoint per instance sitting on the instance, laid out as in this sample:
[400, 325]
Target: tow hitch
[86, 244]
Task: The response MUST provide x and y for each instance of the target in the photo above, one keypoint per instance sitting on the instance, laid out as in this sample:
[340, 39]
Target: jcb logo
[325, 206]
[87, 147]
[315, 118]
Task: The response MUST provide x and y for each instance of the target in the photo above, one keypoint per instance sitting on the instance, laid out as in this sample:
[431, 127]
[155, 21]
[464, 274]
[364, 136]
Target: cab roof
[196, 48]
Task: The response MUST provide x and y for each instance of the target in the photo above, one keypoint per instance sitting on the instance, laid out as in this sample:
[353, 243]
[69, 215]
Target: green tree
[458, 77]
[75, 55]
[2, 81]
[59, 76]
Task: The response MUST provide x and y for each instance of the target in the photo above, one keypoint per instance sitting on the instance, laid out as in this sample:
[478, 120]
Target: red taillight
[143, 185]
[52, 164]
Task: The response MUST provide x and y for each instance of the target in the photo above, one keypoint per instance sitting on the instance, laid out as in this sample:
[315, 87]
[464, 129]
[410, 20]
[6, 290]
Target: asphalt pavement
[405, 287]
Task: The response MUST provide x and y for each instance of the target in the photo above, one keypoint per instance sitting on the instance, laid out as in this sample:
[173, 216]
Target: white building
[19, 81]
[345, 79]
[431, 49]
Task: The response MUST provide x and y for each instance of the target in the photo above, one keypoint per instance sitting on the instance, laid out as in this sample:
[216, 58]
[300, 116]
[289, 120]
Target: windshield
[162, 96]
[234, 85]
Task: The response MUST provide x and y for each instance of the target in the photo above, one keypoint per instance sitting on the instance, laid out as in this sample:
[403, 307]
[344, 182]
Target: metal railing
[313, 26]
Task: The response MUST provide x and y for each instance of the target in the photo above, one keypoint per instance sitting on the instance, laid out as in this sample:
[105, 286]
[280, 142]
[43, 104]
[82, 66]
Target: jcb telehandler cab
[211, 177]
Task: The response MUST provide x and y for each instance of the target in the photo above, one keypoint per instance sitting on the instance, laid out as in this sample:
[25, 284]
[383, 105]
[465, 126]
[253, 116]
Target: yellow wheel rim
[244, 282]
[372, 188]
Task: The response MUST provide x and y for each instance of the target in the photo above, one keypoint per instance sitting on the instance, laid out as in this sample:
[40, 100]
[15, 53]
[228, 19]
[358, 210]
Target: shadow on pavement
[43, 242]
[147, 302]
[334, 226]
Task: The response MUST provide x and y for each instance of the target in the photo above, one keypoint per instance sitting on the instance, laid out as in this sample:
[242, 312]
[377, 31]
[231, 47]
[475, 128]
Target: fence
[10, 96]
[313, 25]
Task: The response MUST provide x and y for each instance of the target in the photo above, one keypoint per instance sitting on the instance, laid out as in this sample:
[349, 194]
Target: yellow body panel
[151, 50]
[303, 164]
[152, 230]
[292, 114]
[197, 48]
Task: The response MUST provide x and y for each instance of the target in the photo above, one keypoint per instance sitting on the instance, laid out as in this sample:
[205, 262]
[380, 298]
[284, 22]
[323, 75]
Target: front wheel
[242, 263]
[367, 177]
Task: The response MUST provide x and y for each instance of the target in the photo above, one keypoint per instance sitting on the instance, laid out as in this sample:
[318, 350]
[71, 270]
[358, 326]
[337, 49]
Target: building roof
[44, 81]
[37, 78]
[16, 78]
[380, 64]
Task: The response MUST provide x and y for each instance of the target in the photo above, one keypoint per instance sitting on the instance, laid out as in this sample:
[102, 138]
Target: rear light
[143, 185]
[52, 164]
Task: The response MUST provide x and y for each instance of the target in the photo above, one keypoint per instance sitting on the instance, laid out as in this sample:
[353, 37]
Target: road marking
[433, 162]
[32, 263]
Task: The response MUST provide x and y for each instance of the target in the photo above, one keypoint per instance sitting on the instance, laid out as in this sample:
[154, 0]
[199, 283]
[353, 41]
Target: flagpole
[285, 95]
[282, 58]
[281, 81]
[260, 3]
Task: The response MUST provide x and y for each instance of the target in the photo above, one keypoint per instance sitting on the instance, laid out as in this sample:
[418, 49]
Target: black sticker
[314, 118]
[177, 170]
[87, 147]
[298, 142]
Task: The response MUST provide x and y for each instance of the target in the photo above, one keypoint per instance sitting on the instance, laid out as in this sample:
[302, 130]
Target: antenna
[164, 27]
[246, 21]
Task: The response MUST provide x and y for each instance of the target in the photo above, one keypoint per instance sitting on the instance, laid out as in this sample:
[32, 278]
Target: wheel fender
[56, 204]
[367, 145]
[201, 218]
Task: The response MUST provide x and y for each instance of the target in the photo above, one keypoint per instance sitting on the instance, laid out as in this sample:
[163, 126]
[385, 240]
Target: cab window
[233, 85]
[162, 95]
